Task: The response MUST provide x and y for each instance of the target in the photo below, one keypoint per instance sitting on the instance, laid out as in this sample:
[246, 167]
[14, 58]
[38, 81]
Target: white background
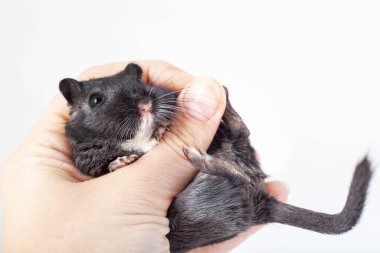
[303, 74]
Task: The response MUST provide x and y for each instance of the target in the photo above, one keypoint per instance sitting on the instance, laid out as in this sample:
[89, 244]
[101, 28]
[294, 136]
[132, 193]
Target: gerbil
[114, 117]
[114, 120]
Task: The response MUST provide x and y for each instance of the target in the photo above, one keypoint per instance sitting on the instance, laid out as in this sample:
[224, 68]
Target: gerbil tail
[327, 223]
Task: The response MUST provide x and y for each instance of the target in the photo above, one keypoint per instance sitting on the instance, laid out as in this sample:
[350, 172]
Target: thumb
[165, 171]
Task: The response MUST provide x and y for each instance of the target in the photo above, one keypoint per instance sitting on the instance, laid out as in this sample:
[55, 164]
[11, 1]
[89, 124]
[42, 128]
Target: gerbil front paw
[160, 131]
[121, 162]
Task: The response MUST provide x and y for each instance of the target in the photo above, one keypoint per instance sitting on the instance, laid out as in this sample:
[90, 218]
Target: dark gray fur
[227, 196]
[95, 134]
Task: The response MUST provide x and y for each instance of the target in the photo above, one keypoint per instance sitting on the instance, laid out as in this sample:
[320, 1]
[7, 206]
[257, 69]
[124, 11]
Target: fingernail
[201, 99]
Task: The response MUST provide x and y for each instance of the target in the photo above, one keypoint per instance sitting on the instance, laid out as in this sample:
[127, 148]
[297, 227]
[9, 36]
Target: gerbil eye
[96, 99]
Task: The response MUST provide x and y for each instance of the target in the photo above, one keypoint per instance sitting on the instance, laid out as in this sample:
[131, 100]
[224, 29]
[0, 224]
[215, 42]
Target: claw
[203, 152]
[185, 150]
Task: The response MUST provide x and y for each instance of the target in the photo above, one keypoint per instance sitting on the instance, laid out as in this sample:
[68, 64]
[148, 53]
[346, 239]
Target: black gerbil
[114, 120]
[111, 119]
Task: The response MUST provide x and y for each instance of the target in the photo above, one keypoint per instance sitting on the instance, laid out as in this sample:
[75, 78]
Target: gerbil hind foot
[121, 162]
[215, 166]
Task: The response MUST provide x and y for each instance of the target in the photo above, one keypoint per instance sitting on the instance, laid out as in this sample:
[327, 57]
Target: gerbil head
[116, 107]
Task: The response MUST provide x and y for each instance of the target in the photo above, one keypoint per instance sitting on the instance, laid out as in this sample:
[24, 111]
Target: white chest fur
[143, 140]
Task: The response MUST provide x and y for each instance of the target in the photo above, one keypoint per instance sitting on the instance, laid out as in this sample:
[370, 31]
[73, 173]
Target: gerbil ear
[133, 70]
[70, 89]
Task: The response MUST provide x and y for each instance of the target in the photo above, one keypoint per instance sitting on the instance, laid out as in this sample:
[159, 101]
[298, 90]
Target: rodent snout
[145, 106]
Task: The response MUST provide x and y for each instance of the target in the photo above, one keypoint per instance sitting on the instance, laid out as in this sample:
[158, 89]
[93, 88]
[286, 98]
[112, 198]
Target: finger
[164, 171]
[277, 189]
[46, 145]
[154, 72]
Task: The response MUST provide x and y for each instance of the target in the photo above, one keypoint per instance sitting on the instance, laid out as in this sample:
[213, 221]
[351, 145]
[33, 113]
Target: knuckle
[208, 80]
[87, 73]
[164, 63]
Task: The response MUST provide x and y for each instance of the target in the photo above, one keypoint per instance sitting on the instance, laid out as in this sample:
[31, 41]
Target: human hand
[49, 206]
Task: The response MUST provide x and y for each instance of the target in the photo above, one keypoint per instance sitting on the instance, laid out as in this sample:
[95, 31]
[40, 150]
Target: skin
[46, 199]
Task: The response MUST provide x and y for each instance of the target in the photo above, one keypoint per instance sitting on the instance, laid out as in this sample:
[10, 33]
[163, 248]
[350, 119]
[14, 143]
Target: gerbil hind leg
[214, 166]
[234, 129]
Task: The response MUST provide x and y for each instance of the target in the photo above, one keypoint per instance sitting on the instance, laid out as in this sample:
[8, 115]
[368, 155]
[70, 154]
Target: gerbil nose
[145, 106]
